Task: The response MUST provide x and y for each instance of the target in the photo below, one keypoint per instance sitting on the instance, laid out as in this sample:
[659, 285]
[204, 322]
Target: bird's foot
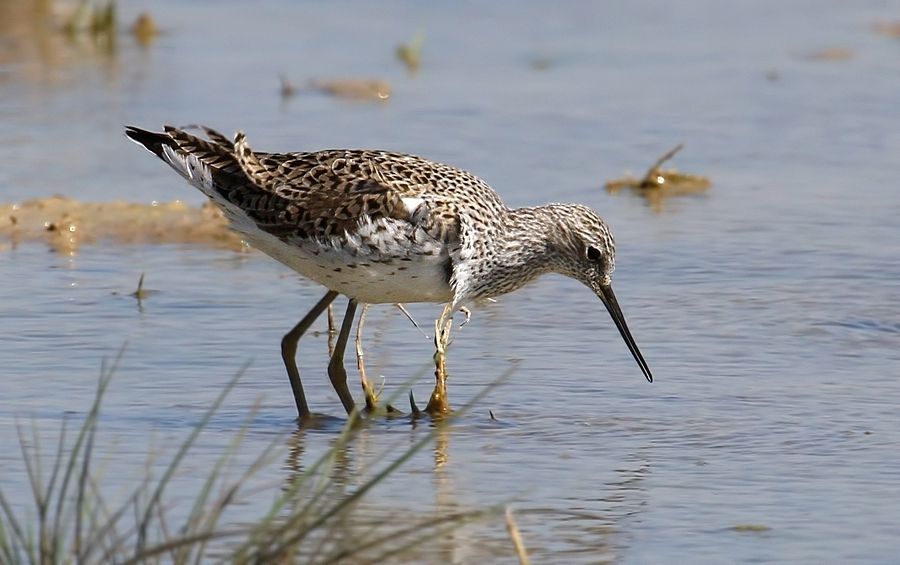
[378, 411]
[373, 407]
[370, 395]
[317, 421]
[439, 402]
[438, 405]
[436, 409]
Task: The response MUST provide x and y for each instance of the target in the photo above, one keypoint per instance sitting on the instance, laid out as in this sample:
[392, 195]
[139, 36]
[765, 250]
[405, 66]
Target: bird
[385, 227]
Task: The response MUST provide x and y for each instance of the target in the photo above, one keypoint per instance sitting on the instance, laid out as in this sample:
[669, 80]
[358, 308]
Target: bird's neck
[530, 231]
[522, 251]
[533, 237]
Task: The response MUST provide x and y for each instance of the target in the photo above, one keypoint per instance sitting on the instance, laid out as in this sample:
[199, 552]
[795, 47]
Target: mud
[66, 224]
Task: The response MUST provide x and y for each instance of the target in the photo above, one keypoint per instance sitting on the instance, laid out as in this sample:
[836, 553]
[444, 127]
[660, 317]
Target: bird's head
[585, 251]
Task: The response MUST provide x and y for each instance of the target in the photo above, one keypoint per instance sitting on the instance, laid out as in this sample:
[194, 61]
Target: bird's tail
[208, 164]
[152, 141]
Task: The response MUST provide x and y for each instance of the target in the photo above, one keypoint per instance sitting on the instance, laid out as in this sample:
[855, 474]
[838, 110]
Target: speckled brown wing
[328, 192]
[341, 185]
[299, 194]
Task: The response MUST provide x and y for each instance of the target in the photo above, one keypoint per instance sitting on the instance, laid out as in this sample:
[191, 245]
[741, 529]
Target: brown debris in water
[354, 88]
[887, 29]
[751, 528]
[541, 63]
[360, 89]
[658, 183]
[410, 54]
[96, 19]
[65, 224]
[144, 29]
[288, 89]
[831, 54]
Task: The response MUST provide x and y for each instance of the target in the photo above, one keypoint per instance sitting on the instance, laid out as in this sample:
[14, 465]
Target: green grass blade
[82, 481]
[147, 554]
[106, 374]
[230, 493]
[18, 538]
[179, 456]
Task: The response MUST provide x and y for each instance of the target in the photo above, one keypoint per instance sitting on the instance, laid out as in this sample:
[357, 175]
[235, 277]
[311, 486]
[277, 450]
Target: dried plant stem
[649, 178]
[516, 538]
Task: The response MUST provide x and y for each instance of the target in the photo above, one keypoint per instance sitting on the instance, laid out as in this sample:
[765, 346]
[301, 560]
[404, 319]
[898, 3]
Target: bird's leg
[332, 330]
[438, 403]
[336, 371]
[371, 397]
[368, 390]
[289, 351]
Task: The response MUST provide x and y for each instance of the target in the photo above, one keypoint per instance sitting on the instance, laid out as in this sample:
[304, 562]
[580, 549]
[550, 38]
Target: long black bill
[612, 305]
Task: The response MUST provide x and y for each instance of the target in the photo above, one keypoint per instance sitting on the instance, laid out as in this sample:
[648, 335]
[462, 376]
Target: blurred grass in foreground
[73, 521]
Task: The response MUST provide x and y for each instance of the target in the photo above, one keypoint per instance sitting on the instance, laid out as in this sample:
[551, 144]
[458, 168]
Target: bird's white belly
[387, 273]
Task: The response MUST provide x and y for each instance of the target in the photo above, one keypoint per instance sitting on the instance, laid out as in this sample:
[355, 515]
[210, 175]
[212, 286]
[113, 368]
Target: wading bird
[381, 227]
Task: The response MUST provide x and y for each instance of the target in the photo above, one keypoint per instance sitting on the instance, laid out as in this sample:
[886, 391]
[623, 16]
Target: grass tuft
[71, 520]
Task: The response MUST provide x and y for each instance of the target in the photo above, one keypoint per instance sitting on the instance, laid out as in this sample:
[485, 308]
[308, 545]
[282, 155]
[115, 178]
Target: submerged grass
[72, 520]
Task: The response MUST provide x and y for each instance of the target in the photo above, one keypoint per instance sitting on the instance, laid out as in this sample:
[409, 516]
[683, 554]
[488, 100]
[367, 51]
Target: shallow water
[768, 308]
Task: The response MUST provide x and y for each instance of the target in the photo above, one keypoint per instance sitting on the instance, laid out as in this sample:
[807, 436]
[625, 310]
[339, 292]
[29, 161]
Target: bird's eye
[594, 254]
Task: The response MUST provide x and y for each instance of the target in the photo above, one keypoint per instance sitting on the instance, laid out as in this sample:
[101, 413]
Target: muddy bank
[65, 224]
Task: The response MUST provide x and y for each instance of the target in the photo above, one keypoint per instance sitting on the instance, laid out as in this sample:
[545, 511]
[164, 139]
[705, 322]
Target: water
[768, 309]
